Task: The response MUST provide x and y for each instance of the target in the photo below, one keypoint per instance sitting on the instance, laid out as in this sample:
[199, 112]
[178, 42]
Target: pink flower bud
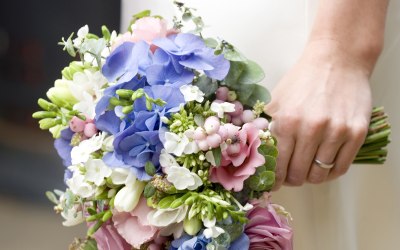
[248, 116]
[214, 140]
[261, 123]
[90, 130]
[203, 145]
[238, 109]
[223, 133]
[77, 125]
[211, 125]
[222, 93]
[199, 134]
[237, 120]
[233, 149]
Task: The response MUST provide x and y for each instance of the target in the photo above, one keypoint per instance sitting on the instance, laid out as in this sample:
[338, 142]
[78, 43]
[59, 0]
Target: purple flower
[126, 61]
[187, 242]
[63, 146]
[188, 50]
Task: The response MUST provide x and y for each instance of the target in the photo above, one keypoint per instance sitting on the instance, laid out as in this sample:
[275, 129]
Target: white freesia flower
[86, 88]
[82, 32]
[192, 93]
[82, 152]
[182, 178]
[128, 197]
[191, 146]
[72, 217]
[96, 171]
[175, 144]
[211, 230]
[167, 160]
[175, 229]
[221, 108]
[165, 217]
[79, 186]
[119, 175]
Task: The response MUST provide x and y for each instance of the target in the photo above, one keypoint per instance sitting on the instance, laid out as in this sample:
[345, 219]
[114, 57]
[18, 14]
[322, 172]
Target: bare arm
[321, 107]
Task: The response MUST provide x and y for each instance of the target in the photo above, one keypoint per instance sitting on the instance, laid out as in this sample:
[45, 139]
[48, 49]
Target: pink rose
[108, 238]
[133, 226]
[266, 229]
[145, 29]
[240, 158]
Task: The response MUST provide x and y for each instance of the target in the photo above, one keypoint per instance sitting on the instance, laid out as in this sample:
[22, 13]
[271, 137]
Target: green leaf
[267, 180]
[258, 92]
[266, 149]
[52, 197]
[149, 190]
[217, 155]
[211, 42]
[206, 85]
[235, 70]
[270, 163]
[166, 202]
[252, 73]
[90, 244]
[150, 168]
[234, 55]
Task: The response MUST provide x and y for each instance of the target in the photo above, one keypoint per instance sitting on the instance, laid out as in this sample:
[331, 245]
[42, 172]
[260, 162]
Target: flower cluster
[163, 146]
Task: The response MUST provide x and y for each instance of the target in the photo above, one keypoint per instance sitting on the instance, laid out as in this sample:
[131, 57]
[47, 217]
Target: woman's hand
[320, 110]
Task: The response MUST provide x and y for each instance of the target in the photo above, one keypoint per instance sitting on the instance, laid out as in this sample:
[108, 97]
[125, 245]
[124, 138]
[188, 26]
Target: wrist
[330, 51]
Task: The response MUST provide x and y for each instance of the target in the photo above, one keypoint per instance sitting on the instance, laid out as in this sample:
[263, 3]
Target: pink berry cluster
[239, 116]
[86, 128]
[213, 133]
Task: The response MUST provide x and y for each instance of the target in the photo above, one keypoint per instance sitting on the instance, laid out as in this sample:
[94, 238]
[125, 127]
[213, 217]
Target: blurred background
[30, 61]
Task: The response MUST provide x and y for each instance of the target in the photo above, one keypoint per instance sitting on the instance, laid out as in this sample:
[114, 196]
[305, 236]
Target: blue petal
[240, 243]
[109, 122]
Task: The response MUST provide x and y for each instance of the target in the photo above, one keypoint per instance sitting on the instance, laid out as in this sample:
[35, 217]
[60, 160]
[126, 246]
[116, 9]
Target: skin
[321, 108]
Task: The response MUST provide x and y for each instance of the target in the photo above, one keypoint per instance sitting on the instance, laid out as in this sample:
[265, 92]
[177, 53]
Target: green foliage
[217, 155]
[206, 85]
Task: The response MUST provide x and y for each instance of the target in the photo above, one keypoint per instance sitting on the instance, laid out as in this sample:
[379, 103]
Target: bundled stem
[374, 150]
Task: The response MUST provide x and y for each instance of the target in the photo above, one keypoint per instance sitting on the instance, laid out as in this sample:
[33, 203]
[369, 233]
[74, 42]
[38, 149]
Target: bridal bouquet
[165, 141]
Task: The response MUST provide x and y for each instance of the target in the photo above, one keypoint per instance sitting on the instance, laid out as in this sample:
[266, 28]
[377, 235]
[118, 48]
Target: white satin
[361, 210]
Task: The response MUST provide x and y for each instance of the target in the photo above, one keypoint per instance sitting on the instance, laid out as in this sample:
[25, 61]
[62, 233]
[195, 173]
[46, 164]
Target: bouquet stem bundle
[374, 150]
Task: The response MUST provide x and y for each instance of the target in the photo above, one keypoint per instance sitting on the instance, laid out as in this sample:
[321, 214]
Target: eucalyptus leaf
[234, 55]
[252, 73]
[217, 155]
[90, 244]
[235, 70]
[270, 163]
[206, 85]
[258, 92]
[211, 42]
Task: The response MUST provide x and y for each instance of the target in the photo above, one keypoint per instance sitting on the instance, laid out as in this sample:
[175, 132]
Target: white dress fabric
[359, 211]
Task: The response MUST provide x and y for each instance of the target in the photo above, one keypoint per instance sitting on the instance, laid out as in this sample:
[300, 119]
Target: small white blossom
[192, 146]
[211, 230]
[164, 217]
[79, 186]
[221, 108]
[192, 93]
[96, 171]
[86, 87]
[72, 216]
[128, 197]
[167, 160]
[82, 32]
[175, 144]
[182, 178]
[108, 144]
[82, 152]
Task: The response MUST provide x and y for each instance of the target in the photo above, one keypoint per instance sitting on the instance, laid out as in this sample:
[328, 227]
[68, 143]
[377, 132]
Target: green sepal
[149, 190]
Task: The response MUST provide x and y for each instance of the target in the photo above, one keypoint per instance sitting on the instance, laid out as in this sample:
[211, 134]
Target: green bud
[127, 109]
[232, 96]
[44, 114]
[137, 94]
[105, 32]
[91, 211]
[61, 95]
[95, 217]
[189, 201]
[150, 168]
[56, 130]
[192, 226]
[177, 203]
[125, 93]
[48, 123]
[94, 228]
[107, 216]
[149, 190]
[160, 102]
[149, 105]
[166, 202]
[46, 105]
[119, 102]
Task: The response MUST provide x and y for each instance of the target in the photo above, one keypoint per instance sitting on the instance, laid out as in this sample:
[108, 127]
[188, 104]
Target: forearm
[356, 27]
